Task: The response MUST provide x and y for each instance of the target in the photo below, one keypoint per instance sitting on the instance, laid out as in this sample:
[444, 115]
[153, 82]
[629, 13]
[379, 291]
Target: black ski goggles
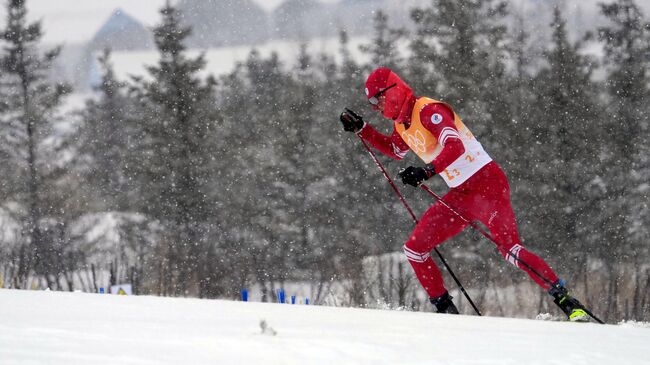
[374, 100]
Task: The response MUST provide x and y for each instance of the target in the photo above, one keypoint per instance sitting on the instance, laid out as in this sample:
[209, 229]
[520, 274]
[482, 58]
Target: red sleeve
[392, 146]
[438, 118]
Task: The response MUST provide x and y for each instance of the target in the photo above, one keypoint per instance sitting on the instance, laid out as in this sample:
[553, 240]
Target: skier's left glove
[352, 122]
[415, 176]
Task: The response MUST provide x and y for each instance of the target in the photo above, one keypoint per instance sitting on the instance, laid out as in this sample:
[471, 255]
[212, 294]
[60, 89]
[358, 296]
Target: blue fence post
[244, 295]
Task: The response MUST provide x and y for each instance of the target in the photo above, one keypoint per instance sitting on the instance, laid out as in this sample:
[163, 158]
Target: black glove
[414, 176]
[352, 122]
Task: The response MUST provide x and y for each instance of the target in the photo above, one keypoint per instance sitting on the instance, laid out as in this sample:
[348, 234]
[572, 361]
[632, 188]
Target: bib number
[454, 173]
[451, 174]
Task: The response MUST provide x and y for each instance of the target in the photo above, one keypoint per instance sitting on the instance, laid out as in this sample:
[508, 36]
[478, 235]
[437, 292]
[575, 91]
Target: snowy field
[39, 327]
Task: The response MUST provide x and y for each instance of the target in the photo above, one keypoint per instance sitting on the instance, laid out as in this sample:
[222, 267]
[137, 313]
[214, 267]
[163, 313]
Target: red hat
[376, 81]
[397, 97]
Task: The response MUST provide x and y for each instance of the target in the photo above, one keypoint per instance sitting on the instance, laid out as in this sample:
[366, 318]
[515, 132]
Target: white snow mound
[39, 327]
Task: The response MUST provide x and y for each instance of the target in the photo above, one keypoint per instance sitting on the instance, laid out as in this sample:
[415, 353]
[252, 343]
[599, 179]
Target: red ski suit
[479, 189]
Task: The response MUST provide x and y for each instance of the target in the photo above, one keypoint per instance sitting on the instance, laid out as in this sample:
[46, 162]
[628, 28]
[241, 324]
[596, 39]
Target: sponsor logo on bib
[436, 118]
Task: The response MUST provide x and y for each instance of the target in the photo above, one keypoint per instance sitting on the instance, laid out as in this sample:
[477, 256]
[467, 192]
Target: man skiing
[479, 189]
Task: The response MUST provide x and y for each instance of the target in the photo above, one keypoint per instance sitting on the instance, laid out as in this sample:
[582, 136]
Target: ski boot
[444, 304]
[568, 304]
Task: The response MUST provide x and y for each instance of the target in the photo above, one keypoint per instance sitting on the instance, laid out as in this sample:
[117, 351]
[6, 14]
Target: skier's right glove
[415, 176]
[352, 122]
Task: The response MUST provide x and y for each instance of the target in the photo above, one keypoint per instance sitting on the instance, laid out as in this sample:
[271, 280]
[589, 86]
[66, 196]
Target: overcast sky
[75, 21]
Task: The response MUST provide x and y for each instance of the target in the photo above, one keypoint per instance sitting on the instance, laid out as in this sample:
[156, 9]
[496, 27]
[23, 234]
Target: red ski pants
[484, 197]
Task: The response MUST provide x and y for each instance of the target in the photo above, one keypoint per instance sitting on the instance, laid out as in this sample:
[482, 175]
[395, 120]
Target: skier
[479, 189]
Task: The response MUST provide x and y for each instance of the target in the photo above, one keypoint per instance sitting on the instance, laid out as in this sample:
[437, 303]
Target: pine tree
[622, 191]
[565, 126]
[178, 124]
[421, 68]
[30, 100]
[627, 43]
[301, 171]
[521, 96]
[103, 141]
[522, 87]
[383, 49]
[269, 124]
[337, 210]
[471, 50]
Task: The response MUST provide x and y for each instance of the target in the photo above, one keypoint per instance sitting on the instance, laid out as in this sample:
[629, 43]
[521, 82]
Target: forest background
[187, 184]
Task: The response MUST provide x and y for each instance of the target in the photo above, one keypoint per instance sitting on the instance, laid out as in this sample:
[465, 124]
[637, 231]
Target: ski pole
[401, 198]
[488, 236]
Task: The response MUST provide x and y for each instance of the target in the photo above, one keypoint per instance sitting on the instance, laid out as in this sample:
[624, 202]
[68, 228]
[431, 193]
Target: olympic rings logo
[416, 141]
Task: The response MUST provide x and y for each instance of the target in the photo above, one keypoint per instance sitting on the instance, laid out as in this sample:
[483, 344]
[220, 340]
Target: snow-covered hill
[38, 327]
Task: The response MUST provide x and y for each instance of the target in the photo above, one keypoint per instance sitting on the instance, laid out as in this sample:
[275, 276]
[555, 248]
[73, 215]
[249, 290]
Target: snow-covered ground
[39, 327]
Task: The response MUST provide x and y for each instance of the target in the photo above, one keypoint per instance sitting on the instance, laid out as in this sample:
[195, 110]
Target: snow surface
[42, 327]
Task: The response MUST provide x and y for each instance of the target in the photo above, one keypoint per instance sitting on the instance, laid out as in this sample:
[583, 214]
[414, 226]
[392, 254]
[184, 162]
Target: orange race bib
[422, 141]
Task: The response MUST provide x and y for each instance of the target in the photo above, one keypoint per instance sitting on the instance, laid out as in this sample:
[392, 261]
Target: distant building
[121, 32]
